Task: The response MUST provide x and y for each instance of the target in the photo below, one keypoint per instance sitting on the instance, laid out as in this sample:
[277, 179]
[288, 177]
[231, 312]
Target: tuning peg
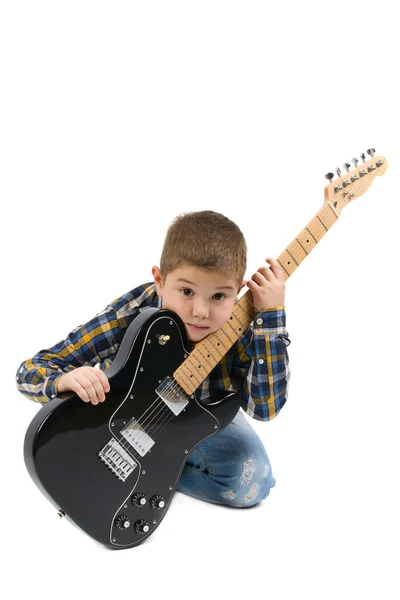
[371, 152]
[339, 172]
[347, 166]
[354, 161]
[363, 156]
[329, 176]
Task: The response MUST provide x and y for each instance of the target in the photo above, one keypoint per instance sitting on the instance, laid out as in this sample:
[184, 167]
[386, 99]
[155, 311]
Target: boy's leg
[231, 467]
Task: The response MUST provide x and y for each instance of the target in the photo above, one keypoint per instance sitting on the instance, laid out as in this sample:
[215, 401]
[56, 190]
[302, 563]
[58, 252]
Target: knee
[252, 483]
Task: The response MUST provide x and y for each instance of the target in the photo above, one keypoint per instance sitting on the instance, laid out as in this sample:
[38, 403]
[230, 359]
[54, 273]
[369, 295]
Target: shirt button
[53, 395]
[261, 361]
[259, 321]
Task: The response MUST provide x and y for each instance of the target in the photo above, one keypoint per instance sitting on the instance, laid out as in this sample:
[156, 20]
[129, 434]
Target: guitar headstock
[353, 183]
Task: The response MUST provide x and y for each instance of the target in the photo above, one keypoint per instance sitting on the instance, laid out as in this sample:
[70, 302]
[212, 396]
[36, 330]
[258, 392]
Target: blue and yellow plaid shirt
[256, 366]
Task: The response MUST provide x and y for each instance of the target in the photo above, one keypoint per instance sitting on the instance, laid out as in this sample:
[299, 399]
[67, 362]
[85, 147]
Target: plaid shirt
[256, 366]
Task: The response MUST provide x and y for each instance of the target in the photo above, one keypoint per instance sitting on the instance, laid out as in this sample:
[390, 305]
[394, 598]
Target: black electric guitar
[113, 469]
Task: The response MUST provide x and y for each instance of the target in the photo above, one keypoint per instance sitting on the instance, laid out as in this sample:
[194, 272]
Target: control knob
[141, 526]
[157, 501]
[139, 499]
[122, 522]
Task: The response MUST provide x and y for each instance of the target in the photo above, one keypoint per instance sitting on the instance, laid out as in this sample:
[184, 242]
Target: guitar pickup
[173, 396]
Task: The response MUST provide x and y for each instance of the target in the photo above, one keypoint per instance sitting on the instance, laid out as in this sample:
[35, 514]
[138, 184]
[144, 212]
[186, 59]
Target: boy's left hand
[267, 286]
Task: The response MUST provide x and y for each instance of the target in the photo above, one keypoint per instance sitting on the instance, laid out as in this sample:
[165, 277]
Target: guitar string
[157, 424]
[163, 409]
[162, 406]
[198, 348]
[141, 424]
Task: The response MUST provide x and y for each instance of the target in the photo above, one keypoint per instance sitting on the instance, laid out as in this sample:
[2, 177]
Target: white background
[117, 116]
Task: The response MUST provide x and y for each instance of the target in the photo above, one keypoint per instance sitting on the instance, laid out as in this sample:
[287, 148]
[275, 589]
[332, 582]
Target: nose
[200, 308]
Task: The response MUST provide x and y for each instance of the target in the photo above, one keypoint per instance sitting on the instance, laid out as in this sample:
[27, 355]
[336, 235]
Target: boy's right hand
[90, 384]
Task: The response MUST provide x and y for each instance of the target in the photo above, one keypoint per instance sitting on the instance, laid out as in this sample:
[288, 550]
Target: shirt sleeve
[260, 370]
[88, 344]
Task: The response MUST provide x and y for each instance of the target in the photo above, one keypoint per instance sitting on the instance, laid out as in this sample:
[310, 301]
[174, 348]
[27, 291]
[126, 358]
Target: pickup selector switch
[157, 501]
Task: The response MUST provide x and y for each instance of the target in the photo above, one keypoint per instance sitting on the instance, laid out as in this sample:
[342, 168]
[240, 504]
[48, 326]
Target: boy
[201, 271]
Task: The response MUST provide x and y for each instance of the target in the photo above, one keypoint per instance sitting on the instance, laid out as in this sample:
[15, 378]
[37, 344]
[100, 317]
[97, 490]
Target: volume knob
[122, 522]
[138, 499]
[141, 526]
[157, 501]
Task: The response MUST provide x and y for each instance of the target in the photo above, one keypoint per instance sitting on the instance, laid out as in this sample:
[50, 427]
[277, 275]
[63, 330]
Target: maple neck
[307, 239]
[209, 352]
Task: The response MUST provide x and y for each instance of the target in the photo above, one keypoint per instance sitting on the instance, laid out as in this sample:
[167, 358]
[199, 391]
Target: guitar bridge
[117, 459]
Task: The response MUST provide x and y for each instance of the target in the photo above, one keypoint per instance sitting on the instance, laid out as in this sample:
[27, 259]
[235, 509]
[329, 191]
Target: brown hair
[204, 239]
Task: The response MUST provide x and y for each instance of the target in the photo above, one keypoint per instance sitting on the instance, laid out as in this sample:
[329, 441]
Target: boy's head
[205, 239]
[203, 262]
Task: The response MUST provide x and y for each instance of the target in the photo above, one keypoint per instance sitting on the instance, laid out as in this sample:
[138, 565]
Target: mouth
[197, 327]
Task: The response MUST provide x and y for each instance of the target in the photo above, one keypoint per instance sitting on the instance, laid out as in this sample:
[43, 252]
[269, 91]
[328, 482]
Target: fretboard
[209, 352]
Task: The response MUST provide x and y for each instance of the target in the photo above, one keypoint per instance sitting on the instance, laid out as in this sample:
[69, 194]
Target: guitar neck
[208, 353]
[307, 239]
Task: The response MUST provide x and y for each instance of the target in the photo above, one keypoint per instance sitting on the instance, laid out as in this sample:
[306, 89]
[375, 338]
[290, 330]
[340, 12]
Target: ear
[158, 280]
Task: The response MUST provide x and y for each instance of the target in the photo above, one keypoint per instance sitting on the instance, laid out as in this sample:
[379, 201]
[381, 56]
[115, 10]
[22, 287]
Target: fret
[217, 346]
[228, 332]
[222, 336]
[205, 356]
[301, 245]
[184, 382]
[245, 308]
[306, 240]
[236, 326]
[194, 365]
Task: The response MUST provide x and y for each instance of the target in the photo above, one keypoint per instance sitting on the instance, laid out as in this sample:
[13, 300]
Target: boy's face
[204, 300]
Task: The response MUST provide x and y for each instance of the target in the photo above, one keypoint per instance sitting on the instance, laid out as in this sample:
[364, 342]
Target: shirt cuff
[50, 391]
[270, 321]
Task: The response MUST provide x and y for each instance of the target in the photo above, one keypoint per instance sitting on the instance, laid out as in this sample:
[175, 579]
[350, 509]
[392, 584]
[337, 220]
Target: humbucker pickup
[173, 396]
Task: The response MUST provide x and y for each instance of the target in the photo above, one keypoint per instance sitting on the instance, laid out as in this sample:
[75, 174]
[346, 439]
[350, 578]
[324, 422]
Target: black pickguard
[63, 441]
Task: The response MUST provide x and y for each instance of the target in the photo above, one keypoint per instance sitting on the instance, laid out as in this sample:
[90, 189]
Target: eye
[219, 296]
[186, 291]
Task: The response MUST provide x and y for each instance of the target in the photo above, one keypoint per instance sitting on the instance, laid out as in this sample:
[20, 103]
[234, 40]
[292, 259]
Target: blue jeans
[231, 467]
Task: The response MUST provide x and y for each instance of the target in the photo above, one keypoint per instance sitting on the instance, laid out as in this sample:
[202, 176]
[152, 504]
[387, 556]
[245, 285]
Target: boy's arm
[87, 344]
[261, 366]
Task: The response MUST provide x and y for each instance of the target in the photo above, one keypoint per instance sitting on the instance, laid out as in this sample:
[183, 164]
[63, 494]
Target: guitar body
[113, 468]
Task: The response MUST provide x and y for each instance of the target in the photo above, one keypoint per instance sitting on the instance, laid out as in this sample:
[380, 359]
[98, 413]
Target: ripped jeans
[231, 467]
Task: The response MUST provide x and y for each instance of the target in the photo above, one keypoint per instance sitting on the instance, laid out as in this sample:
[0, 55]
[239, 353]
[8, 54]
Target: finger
[104, 381]
[266, 272]
[79, 390]
[252, 285]
[259, 278]
[89, 386]
[276, 268]
[95, 380]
